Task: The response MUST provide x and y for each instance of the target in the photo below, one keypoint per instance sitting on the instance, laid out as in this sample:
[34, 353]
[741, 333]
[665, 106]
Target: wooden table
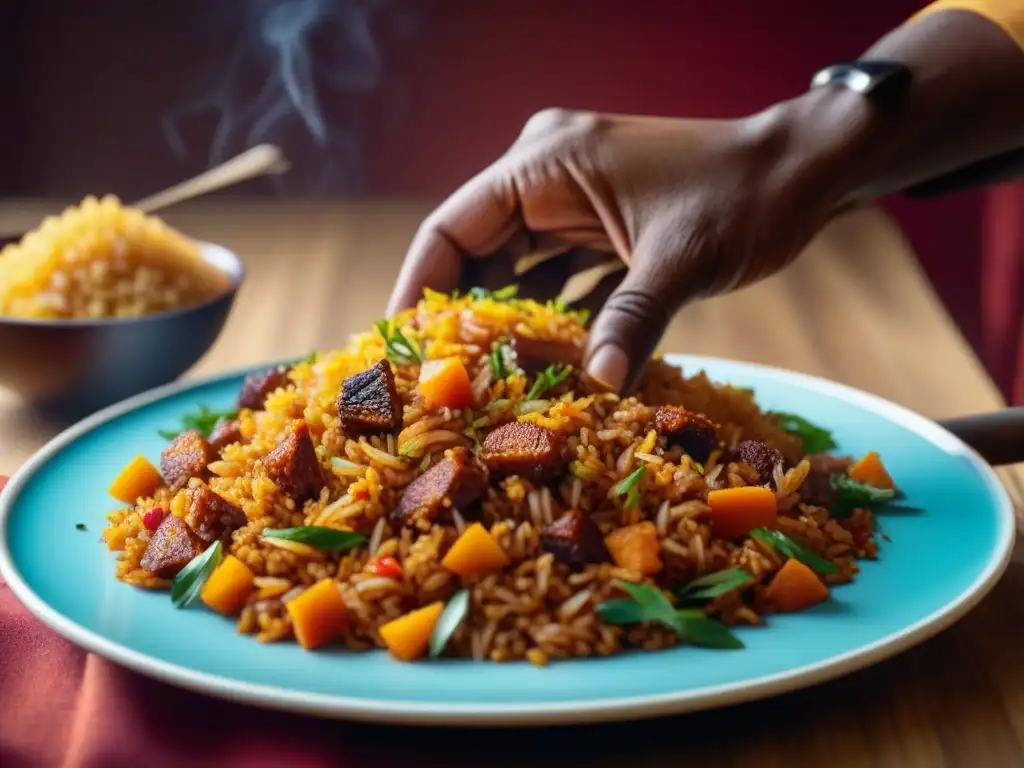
[856, 308]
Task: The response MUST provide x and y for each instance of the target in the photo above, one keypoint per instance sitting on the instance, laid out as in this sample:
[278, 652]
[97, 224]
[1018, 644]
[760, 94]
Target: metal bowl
[74, 367]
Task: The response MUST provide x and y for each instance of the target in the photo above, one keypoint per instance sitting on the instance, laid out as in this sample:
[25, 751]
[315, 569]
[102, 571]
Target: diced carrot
[796, 587]
[318, 614]
[445, 382]
[475, 553]
[228, 586]
[408, 636]
[870, 471]
[736, 511]
[636, 547]
[138, 478]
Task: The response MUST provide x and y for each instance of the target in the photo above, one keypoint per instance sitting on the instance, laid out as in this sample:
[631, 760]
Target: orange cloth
[1008, 14]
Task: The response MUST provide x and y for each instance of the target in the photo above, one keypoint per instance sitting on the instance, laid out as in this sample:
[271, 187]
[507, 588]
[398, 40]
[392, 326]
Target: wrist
[827, 144]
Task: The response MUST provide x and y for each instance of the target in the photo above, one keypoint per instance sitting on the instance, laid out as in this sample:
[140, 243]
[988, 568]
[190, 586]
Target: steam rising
[297, 72]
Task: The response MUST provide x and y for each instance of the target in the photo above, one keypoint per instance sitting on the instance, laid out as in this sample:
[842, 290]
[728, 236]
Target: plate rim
[522, 714]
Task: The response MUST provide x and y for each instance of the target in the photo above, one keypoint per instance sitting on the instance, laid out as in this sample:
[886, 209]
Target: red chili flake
[862, 533]
[387, 567]
[153, 518]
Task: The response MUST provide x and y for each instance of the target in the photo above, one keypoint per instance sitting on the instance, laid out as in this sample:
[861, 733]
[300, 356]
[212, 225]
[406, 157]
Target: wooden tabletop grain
[855, 308]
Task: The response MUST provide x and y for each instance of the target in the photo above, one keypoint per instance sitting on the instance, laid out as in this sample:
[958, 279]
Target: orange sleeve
[1008, 14]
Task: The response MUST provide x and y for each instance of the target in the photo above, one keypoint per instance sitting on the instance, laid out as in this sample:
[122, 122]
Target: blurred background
[408, 98]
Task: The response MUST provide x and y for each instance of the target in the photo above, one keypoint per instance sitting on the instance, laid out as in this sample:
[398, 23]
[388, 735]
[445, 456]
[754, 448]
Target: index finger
[474, 222]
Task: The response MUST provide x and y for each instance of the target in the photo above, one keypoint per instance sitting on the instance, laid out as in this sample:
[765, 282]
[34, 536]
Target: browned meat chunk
[521, 448]
[534, 355]
[258, 385]
[293, 465]
[817, 489]
[210, 515]
[455, 481]
[762, 457]
[694, 433]
[226, 433]
[186, 457]
[172, 548]
[575, 540]
[369, 401]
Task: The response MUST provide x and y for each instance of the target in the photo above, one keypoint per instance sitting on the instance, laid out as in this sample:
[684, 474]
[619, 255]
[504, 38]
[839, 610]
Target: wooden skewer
[259, 161]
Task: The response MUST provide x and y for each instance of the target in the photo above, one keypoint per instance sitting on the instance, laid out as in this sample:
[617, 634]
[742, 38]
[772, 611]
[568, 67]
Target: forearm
[965, 104]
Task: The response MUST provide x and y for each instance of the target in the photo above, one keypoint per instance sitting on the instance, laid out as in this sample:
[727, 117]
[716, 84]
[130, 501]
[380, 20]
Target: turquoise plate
[939, 564]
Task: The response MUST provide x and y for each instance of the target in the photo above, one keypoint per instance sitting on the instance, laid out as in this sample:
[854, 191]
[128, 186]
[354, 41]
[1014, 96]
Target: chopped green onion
[190, 580]
[532, 406]
[318, 536]
[851, 494]
[204, 420]
[786, 546]
[501, 362]
[502, 294]
[456, 294]
[629, 487]
[715, 584]
[815, 439]
[701, 630]
[498, 404]
[339, 463]
[647, 603]
[548, 379]
[410, 447]
[453, 615]
[308, 359]
[399, 348]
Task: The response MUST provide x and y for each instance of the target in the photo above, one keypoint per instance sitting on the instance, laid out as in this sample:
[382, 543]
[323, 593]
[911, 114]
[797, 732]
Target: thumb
[626, 332]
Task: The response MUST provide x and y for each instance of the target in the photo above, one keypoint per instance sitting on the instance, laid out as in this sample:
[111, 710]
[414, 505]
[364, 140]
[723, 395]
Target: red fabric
[1002, 304]
[61, 706]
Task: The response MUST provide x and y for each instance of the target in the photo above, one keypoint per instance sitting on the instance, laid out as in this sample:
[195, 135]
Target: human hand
[693, 208]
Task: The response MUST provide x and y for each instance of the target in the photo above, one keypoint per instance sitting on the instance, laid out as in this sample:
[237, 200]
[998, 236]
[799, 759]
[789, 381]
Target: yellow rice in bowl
[534, 604]
[103, 260]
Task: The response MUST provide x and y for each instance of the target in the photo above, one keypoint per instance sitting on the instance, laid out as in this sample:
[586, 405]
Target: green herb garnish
[80, 527]
[308, 359]
[502, 294]
[189, 582]
[815, 439]
[647, 603]
[497, 404]
[548, 379]
[715, 584]
[851, 493]
[399, 348]
[456, 294]
[453, 615]
[410, 447]
[501, 359]
[204, 421]
[318, 536]
[786, 546]
[630, 488]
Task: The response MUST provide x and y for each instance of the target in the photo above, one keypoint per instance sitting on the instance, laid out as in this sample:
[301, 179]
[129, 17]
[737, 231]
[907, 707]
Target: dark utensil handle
[1009, 165]
[997, 436]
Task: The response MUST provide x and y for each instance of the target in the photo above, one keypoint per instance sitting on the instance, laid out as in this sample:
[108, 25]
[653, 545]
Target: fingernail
[610, 366]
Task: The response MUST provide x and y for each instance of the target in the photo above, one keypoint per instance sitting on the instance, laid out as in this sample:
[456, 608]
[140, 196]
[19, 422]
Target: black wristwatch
[885, 82]
[876, 79]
